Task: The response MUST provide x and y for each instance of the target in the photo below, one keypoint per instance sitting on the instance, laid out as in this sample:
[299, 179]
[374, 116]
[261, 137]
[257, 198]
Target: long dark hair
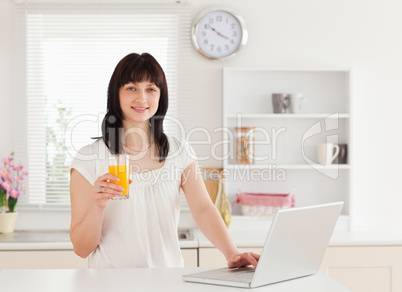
[135, 68]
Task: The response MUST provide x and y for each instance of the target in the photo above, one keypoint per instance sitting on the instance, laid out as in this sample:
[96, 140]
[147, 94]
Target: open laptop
[294, 248]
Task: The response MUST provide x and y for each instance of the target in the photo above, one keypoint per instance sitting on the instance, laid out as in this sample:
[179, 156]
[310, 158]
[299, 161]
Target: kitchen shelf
[287, 141]
[288, 166]
[288, 116]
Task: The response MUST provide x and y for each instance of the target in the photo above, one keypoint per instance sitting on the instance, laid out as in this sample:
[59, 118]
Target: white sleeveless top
[140, 232]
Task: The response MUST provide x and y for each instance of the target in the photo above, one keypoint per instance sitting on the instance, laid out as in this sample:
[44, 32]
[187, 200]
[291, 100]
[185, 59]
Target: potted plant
[11, 177]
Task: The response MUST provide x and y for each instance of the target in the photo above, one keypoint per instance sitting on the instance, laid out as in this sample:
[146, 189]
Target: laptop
[294, 248]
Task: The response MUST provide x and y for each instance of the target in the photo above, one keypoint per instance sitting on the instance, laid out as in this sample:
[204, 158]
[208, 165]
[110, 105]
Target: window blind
[65, 57]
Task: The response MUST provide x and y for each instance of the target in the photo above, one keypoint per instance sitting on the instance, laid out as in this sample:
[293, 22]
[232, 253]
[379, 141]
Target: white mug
[297, 101]
[326, 154]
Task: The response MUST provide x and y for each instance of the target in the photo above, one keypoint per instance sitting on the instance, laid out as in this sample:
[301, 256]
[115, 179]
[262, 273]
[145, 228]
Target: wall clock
[219, 33]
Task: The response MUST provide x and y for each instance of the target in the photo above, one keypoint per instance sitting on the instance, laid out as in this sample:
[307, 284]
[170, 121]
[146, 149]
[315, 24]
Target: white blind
[69, 54]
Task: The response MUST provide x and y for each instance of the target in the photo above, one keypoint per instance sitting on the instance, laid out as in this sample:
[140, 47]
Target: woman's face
[139, 101]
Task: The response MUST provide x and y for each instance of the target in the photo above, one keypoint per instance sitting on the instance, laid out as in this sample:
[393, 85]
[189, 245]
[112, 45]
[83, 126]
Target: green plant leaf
[11, 203]
[2, 197]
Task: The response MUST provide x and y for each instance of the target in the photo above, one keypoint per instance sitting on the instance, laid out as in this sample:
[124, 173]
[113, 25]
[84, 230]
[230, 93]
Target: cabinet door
[190, 257]
[54, 259]
[212, 257]
[365, 269]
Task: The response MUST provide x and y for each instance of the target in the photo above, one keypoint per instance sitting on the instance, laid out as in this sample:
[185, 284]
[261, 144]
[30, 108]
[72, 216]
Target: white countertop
[36, 240]
[252, 232]
[245, 231]
[52, 240]
[157, 279]
[339, 238]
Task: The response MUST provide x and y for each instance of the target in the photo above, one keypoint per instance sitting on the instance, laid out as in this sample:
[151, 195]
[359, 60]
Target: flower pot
[7, 222]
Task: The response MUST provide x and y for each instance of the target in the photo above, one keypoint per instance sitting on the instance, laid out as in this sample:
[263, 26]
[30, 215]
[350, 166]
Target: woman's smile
[140, 109]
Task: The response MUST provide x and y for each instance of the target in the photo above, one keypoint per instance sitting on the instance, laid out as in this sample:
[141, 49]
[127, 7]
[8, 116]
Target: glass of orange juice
[119, 166]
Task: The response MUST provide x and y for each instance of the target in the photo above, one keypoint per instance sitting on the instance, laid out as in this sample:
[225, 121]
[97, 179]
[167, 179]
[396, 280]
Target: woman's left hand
[244, 259]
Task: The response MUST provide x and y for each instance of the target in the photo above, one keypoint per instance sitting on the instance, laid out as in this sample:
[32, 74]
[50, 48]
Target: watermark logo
[328, 125]
[224, 149]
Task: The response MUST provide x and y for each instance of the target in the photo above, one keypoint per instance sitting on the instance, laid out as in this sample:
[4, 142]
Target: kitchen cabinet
[365, 268]
[190, 257]
[285, 147]
[212, 257]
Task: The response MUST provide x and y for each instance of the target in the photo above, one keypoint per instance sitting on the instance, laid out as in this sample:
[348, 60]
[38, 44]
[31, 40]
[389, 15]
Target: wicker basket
[262, 204]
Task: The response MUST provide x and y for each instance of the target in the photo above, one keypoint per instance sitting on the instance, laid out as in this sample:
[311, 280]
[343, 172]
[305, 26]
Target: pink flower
[7, 161]
[14, 193]
[18, 168]
[24, 173]
[4, 172]
[18, 178]
[5, 185]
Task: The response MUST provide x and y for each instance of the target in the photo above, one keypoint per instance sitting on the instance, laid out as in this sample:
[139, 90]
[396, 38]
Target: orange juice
[121, 171]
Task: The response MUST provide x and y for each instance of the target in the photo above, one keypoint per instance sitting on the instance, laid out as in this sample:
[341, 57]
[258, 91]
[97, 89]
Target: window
[67, 54]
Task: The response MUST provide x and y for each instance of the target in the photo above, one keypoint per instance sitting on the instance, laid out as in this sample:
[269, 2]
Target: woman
[140, 231]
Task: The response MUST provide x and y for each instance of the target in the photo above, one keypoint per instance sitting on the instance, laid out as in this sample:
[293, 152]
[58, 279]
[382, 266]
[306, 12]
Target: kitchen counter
[245, 231]
[252, 232]
[54, 240]
[36, 240]
[339, 238]
[157, 279]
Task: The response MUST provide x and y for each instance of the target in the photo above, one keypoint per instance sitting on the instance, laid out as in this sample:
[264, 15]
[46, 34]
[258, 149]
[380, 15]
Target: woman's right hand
[104, 190]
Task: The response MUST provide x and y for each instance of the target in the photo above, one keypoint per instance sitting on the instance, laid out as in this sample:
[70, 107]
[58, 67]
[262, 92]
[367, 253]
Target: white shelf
[287, 166]
[258, 69]
[288, 137]
[288, 116]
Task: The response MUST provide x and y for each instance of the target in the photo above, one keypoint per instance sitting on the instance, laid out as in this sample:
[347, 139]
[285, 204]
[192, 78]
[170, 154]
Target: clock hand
[218, 33]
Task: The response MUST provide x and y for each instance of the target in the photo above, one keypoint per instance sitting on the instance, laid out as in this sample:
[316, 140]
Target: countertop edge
[20, 246]
[254, 239]
[338, 239]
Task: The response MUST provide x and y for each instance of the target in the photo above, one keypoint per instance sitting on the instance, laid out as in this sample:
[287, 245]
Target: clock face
[219, 34]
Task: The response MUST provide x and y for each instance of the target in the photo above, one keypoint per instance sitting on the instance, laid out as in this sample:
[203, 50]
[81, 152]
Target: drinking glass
[119, 166]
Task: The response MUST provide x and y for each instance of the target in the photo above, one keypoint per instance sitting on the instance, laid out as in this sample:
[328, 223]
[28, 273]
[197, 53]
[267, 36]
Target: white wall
[6, 137]
[363, 35]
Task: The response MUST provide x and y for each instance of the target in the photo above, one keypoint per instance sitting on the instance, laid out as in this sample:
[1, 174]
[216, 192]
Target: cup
[280, 102]
[327, 152]
[297, 101]
[119, 166]
[343, 154]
